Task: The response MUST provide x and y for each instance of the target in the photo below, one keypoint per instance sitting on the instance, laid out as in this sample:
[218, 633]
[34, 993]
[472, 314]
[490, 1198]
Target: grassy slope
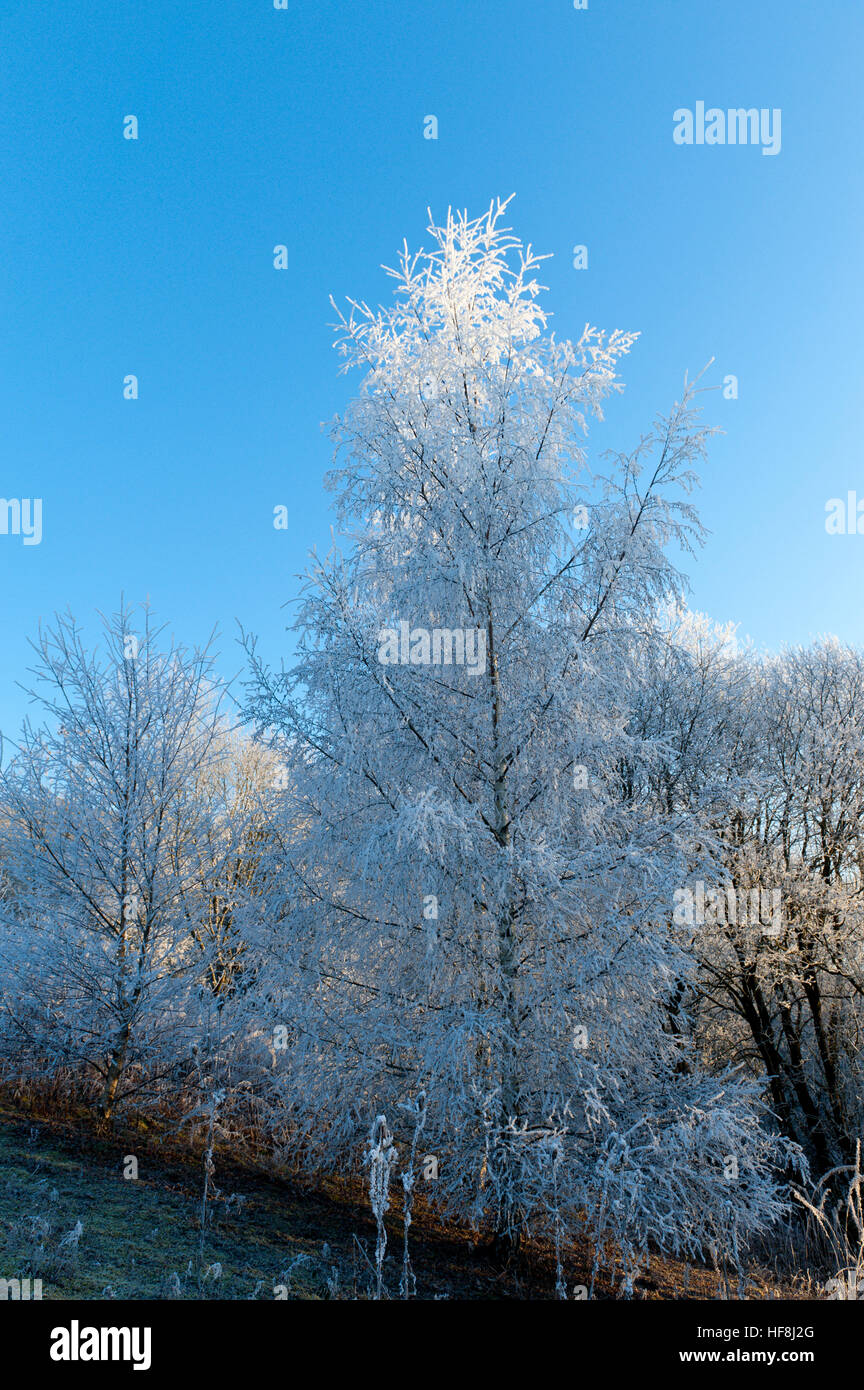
[137, 1234]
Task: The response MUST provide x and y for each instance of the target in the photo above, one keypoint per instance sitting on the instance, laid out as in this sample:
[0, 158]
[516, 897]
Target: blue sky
[304, 127]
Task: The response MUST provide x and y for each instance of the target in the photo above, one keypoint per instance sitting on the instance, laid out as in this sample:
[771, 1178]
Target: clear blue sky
[305, 127]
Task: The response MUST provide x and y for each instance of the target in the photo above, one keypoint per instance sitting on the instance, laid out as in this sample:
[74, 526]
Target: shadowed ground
[269, 1235]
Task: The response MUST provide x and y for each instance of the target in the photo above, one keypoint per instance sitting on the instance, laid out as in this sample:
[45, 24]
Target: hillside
[268, 1236]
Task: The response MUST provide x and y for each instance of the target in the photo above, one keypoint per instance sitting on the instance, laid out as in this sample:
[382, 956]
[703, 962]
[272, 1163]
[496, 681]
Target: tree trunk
[115, 1071]
[507, 1236]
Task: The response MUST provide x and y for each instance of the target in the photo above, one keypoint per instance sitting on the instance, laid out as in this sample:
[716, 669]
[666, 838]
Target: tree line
[518, 902]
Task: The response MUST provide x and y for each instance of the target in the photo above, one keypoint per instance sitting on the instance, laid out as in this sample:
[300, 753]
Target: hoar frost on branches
[506, 798]
[116, 851]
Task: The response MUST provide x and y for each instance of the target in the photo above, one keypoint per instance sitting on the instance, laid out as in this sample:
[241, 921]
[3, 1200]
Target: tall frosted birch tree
[476, 903]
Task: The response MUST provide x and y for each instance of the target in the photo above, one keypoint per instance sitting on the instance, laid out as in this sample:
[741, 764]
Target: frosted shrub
[381, 1159]
[67, 1249]
[416, 1112]
[835, 1228]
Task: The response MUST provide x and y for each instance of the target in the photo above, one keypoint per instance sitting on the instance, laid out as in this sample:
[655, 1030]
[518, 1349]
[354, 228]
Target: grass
[268, 1236]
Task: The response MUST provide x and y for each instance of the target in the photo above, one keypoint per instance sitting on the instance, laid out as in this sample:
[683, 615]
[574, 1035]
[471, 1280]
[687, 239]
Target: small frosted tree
[112, 850]
[475, 905]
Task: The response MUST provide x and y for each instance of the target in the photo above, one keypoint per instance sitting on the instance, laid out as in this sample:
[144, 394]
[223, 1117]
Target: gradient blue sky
[305, 127]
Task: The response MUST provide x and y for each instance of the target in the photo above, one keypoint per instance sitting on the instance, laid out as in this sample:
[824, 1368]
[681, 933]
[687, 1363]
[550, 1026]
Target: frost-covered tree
[769, 749]
[236, 784]
[113, 848]
[791, 754]
[476, 877]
